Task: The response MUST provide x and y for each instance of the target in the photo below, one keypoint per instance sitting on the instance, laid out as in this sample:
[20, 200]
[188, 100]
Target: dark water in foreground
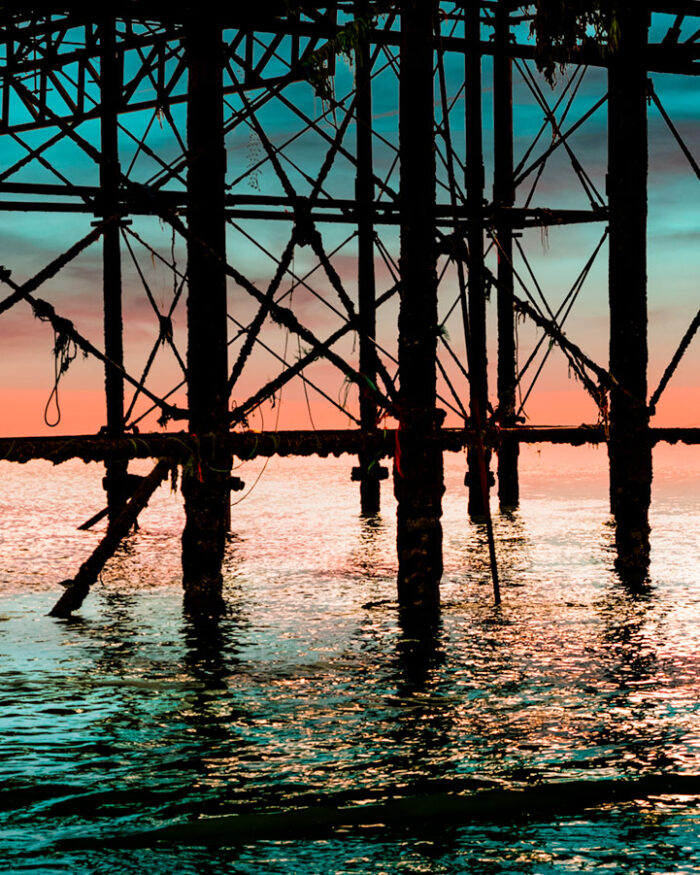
[324, 739]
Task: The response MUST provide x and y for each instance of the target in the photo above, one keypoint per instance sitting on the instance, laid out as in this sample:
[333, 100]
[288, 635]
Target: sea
[307, 731]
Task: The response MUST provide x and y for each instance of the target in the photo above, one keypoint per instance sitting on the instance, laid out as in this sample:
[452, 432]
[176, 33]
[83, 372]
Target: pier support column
[205, 482]
[504, 197]
[629, 444]
[368, 471]
[115, 480]
[478, 362]
[418, 472]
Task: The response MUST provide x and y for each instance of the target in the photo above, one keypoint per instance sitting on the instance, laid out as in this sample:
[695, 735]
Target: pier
[415, 203]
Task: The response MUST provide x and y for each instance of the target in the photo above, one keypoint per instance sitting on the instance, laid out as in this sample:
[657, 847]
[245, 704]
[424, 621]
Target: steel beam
[504, 198]
[418, 474]
[205, 483]
[115, 480]
[629, 446]
[476, 331]
[368, 471]
[182, 447]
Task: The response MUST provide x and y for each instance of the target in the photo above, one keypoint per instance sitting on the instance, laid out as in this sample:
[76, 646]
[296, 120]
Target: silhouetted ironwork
[413, 222]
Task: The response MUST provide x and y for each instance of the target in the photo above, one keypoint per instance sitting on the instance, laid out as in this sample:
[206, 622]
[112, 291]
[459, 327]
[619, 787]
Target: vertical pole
[503, 197]
[418, 472]
[476, 291]
[110, 96]
[205, 482]
[364, 196]
[629, 446]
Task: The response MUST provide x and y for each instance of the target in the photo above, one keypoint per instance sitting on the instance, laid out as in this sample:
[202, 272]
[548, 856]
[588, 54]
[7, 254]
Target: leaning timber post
[418, 471]
[115, 480]
[205, 480]
[503, 198]
[478, 363]
[119, 526]
[368, 471]
[629, 445]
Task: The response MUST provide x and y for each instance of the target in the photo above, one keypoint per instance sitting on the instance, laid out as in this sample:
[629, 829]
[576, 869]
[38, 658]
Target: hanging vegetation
[561, 28]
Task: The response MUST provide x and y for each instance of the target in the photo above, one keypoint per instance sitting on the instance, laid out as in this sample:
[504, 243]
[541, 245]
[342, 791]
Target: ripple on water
[131, 717]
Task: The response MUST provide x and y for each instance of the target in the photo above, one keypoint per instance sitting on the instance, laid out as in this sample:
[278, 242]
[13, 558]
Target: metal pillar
[629, 445]
[115, 480]
[368, 471]
[478, 378]
[418, 472]
[504, 197]
[205, 482]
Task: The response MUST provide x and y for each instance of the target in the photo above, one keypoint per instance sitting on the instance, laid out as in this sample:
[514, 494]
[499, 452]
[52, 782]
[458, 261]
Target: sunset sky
[30, 240]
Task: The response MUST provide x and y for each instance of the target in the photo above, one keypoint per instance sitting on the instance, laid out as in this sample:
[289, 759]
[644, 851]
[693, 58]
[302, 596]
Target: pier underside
[335, 214]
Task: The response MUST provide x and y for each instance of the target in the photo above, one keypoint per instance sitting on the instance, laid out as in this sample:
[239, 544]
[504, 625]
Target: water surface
[309, 702]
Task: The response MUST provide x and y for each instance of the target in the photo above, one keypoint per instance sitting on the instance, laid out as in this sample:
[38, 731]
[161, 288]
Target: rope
[64, 351]
[566, 305]
[165, 333]
[574, 354]
[64, 327]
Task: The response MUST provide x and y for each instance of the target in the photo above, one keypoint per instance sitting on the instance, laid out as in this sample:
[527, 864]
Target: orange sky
[82, 411]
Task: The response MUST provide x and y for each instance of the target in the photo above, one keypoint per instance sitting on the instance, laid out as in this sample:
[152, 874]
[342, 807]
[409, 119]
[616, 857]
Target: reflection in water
[117, 632]
[367, 557]
[302, 702]
[205, 641]
[513, 552]
[631, 631]
[632, 636]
